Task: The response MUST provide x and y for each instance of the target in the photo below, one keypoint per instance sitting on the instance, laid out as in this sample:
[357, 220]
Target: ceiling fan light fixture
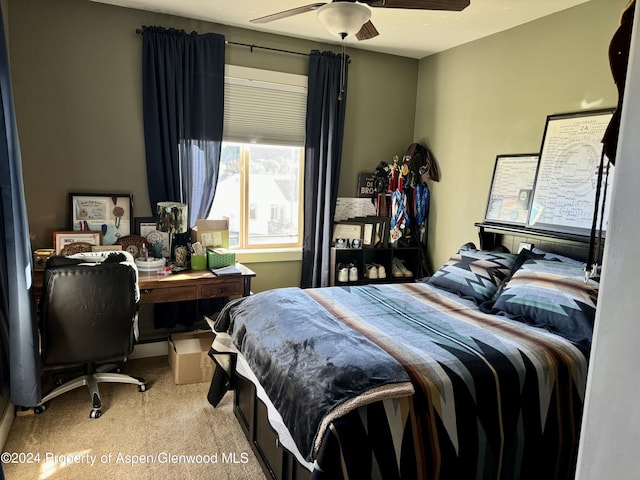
[343, 18]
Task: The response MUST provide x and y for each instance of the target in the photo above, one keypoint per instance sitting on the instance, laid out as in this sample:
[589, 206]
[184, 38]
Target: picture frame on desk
[147, 227]
[64, 238]
[108, 213]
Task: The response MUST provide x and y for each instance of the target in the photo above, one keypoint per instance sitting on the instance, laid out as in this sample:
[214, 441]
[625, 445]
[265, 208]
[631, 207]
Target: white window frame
[264, 121]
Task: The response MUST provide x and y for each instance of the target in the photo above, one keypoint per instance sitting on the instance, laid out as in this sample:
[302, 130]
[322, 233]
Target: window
[260, 180]
[260, 190]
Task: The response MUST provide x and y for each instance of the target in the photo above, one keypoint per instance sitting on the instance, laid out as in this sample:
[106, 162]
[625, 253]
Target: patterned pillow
[522, 257]
[553, 295]
[560, 258]
[474, 274]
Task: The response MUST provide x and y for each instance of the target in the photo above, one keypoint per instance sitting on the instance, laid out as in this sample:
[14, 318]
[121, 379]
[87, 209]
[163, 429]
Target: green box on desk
[220, 257]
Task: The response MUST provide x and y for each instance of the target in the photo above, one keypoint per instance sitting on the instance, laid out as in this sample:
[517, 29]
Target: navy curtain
[183, 107]
[19, 359]
[326, 104]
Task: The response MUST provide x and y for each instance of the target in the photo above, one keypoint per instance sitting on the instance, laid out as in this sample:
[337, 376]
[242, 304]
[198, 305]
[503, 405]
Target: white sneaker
[343, 273]
[382, 272]
[353, 273]
[395, 269]
[371, 271]
[399, 270]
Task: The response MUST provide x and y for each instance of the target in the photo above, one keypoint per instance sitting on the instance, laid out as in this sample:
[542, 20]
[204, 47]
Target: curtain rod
[238, 44]
[265, 48]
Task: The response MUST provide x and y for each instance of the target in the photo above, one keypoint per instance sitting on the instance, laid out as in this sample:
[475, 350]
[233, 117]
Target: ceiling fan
[349, 17]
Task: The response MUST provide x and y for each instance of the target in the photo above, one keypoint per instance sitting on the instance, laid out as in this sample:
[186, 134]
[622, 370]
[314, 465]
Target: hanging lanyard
[594, 243]
[399, 209]
[422, 202]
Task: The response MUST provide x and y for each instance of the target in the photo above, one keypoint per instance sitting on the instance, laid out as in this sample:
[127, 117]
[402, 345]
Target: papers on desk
[231, 270]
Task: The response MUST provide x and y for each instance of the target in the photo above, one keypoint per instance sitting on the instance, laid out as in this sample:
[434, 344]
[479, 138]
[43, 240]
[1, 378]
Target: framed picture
[366, 185]
[348, 231]
[565, 188]
[375, 230]
[62, 239]
[367, 234]
[108, 213]
[158, 241]
[512, 188]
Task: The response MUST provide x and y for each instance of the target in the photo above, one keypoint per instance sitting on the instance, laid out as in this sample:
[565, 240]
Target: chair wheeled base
[102, 374]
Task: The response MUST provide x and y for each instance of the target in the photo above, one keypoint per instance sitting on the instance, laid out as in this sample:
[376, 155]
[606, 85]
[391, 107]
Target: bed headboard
[572, 245]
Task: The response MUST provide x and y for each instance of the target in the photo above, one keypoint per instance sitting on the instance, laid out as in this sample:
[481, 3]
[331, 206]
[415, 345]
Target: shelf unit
[360, 257]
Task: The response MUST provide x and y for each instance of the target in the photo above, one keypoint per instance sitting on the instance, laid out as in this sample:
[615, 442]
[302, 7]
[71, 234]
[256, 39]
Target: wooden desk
[187, 285]
[194, 285]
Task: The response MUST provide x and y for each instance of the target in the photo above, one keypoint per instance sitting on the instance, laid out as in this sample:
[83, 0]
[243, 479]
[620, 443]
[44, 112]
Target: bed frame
[492, 235]
[279, 464]
[276, 462]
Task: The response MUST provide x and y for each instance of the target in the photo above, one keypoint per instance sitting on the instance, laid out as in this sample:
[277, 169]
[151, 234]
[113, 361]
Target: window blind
[264, 107]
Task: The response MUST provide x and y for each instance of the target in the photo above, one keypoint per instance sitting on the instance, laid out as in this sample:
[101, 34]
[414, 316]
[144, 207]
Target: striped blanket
[494, 398]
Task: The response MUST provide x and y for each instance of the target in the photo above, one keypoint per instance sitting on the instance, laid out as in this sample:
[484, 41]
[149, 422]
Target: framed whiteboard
[567, 178]
[511, 188]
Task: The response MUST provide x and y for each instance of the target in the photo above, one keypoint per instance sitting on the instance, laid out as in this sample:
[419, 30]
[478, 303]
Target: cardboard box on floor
[188, 355]
[211, 233]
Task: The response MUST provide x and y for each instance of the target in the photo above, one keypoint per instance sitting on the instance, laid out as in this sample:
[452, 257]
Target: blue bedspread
[312, 366]
[494, 398]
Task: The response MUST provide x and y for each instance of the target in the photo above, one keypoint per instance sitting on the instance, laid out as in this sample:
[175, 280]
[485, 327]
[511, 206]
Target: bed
[476, 372]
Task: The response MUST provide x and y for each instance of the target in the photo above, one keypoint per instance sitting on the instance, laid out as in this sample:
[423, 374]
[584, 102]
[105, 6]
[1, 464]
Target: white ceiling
[409, 33]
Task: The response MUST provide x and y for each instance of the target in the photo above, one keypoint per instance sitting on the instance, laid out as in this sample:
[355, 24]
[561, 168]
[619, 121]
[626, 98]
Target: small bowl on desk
[150, 266]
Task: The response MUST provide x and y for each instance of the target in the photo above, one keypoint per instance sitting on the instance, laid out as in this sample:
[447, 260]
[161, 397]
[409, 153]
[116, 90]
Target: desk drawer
[222, 289]
[173, 294]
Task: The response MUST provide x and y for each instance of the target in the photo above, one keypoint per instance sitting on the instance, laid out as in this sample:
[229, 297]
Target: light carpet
[168, 432]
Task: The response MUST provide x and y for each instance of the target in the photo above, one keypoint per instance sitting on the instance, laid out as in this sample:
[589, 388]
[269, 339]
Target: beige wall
[492, 97]
[77, 85]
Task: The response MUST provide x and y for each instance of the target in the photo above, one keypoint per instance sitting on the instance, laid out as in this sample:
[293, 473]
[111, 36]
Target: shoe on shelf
[353, 273]
[382, 272]
[395, 270]
[343, 273]
[399, 270]
[371, 271]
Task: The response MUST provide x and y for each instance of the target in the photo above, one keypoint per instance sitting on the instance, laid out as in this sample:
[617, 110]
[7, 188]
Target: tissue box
[220, 257]
[211, 233]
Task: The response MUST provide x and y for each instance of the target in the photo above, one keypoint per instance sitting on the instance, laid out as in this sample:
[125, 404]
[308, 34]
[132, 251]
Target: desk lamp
[172, 218]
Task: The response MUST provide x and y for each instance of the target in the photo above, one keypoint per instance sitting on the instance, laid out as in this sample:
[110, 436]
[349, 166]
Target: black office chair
[87, 317]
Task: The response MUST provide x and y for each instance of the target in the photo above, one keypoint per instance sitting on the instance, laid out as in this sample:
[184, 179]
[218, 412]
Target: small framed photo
[110, 214]
[158, 241]
[511, 188]
[368, 234]
[375, 230]
[62, 239]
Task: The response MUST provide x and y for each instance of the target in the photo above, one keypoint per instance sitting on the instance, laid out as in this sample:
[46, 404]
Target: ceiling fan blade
[367, 31]
[287, 13]
[453, 5]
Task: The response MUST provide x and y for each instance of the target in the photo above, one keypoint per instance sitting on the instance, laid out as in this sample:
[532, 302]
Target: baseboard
[5, 424]
[152, 349]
